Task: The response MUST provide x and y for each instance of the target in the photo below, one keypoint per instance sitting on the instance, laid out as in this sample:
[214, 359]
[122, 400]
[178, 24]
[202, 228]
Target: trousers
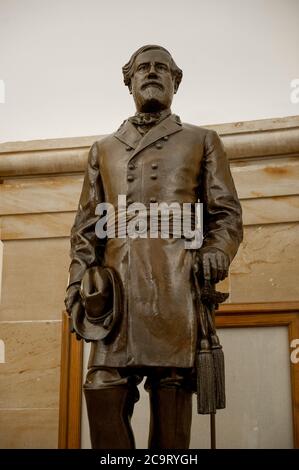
[111, 394]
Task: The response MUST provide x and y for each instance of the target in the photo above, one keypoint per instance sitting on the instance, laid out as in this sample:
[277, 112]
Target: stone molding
[248, 140]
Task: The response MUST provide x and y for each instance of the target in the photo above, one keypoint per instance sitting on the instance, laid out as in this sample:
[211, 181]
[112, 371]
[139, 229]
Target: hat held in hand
[99, 310]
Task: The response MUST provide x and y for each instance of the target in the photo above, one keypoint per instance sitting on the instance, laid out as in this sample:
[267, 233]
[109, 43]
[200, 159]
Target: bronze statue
[137, 298]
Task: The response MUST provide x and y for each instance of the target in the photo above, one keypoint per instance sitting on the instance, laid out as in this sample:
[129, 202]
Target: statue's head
[152, 77]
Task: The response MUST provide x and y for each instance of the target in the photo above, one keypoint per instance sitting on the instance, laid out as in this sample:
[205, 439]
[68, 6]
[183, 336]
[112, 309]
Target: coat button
[131, 166]
[153, 199]
[128, 148]
[130, 178]
[154, 166]
[159, 145]
[153, 176]
[165, 137]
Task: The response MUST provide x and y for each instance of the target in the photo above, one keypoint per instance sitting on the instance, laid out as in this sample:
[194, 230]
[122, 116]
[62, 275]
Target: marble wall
[34, 278]
[39, 191]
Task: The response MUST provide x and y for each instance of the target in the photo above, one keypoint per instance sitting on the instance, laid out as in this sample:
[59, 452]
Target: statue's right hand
[72, 295]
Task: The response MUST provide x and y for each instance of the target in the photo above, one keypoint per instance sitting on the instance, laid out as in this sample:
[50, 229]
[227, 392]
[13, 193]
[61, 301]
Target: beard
[153, 105]
[152, 99]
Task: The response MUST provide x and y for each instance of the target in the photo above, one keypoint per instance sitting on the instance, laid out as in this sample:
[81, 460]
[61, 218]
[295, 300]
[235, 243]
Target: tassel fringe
[210, 358]
[206, 397]
[218, 360]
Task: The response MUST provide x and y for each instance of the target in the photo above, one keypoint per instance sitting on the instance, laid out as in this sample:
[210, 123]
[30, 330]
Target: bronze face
[152, 83]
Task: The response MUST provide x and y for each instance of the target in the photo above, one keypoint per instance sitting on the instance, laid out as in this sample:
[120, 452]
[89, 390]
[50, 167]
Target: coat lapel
[129, 135]
[168, 126]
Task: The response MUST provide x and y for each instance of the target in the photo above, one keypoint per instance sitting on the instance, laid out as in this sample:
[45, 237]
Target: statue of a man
[133, 297]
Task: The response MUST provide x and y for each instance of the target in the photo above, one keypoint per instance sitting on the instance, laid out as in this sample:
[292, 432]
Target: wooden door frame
[228, 316]
[70, 403]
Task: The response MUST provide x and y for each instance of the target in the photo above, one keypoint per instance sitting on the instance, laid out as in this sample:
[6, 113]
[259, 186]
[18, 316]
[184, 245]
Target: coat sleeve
[222, 212]
[86, 249]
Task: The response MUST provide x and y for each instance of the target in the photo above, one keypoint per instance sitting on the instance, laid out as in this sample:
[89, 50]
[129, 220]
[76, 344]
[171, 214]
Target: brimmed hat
[96, 315]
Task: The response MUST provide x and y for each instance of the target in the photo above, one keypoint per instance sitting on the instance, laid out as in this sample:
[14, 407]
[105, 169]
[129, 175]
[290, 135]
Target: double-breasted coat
[172, 162]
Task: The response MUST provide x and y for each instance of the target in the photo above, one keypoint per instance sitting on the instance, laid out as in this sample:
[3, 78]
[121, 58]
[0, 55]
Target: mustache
[152, 83]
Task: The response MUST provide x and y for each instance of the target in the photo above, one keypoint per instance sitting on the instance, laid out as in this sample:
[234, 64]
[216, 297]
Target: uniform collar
[149, 119]
[129, 135]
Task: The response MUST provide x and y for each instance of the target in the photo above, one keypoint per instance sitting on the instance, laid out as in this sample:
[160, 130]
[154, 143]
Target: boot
[171, 416]
[109, 415]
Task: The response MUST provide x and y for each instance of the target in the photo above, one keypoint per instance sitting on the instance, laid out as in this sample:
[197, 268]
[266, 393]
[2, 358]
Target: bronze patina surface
[152, 158]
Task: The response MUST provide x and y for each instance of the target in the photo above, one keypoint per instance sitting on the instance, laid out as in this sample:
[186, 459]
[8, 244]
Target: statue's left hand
[72, 295]
[213, 264]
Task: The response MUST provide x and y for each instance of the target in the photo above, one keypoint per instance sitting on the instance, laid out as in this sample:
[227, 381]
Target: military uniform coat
[172, 162]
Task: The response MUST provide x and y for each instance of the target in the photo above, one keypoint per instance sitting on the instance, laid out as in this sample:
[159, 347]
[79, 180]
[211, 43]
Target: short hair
[128, 67]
